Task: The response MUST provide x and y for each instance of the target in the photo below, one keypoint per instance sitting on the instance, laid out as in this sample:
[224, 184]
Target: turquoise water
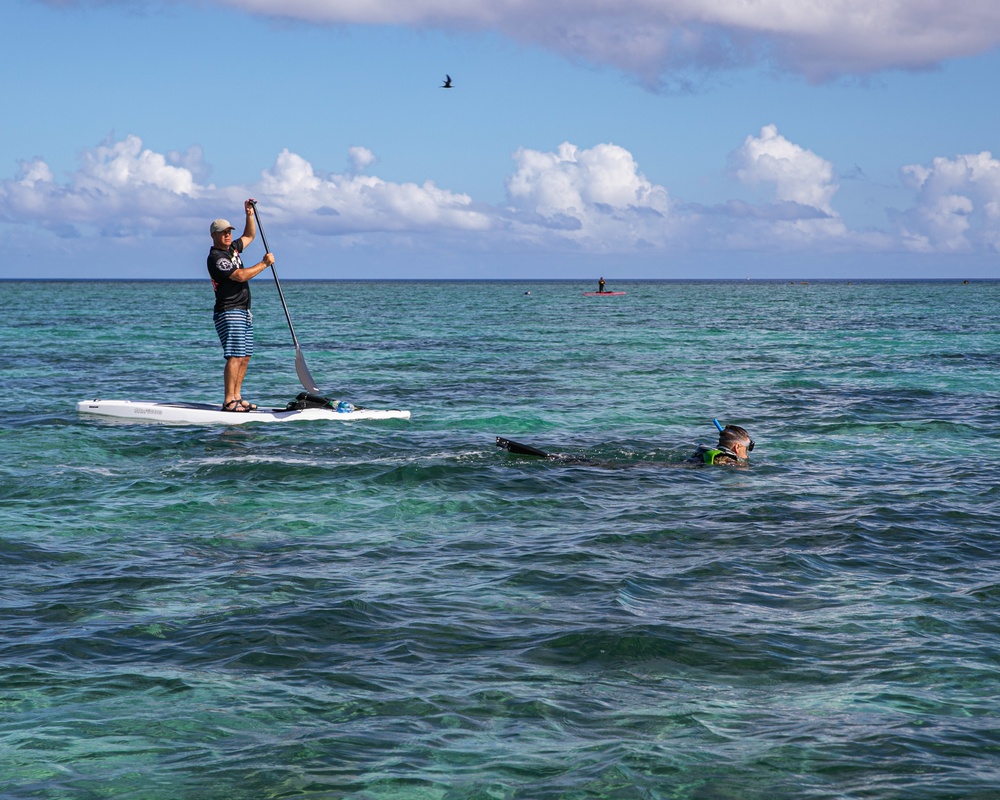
[393, 610]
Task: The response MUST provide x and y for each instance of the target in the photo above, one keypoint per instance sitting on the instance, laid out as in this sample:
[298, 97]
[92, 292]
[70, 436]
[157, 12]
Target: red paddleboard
[603, 294]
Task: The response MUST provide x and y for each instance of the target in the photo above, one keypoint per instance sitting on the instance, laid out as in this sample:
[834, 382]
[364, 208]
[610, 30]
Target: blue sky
[668, 139]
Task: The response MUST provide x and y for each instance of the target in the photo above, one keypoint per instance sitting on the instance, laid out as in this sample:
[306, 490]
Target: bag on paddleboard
[306, 400]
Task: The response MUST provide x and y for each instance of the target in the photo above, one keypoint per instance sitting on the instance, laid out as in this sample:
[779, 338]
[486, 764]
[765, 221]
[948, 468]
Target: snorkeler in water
[733, 449]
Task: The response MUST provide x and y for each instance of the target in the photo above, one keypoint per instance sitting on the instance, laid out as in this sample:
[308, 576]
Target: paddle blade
[303, 372]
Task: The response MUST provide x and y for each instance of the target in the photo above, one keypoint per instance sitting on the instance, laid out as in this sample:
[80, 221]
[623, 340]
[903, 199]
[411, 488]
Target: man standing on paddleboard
[232, 317]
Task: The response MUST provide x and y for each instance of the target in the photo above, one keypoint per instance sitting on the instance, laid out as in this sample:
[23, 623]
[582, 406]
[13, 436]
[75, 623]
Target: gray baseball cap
[220, 226]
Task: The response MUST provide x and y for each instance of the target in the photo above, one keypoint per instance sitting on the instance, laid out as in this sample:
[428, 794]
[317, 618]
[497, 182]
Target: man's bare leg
[235, 372]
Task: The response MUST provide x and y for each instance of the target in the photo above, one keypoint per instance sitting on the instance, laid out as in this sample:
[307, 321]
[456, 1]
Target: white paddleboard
[204, 413]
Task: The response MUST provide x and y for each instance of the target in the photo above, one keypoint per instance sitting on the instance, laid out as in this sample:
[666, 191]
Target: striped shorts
[235, 329]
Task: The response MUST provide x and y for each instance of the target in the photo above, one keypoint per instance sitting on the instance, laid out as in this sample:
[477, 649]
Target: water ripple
[387, 611]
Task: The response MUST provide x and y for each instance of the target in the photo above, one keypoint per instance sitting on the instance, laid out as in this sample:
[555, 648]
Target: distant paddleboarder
[232, 317]
[600, 285]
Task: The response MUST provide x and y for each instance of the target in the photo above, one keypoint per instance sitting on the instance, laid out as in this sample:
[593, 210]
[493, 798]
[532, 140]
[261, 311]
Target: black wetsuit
[718, 456]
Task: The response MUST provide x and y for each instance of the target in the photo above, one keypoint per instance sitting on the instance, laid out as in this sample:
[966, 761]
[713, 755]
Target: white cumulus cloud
[798, 175]
[361, 158]
[351, 203]
[120, 186]
[570, 199]
[595, 197]
[123, 188]
[34, 172]
[127, 164]
[957, 204]
[583, 198]
[801, 212]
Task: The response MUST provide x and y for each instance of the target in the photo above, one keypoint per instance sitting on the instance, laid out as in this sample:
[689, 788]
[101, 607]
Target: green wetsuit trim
[711, 455]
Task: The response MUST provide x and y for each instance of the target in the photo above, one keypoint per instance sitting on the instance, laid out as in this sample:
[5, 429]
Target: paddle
[300, 362]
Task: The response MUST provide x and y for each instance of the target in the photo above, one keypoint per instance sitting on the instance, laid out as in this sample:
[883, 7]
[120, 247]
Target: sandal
[234, 405]
[246, 405]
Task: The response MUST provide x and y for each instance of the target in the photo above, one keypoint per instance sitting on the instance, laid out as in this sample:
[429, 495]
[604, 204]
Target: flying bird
[447, 82]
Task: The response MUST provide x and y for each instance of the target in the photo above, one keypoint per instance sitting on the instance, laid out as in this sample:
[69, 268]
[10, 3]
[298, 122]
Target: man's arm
[250, 229]
[246, 273]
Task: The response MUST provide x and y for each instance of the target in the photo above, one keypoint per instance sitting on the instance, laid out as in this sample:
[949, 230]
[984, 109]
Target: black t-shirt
[229, 294]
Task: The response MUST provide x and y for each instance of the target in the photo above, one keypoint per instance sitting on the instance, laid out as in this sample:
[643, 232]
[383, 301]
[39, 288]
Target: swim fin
[520, 449]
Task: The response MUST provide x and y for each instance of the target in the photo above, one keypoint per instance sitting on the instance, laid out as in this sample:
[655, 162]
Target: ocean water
[398, 609]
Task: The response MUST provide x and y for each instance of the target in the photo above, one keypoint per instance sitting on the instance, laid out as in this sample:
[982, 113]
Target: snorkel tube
[709, 454]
